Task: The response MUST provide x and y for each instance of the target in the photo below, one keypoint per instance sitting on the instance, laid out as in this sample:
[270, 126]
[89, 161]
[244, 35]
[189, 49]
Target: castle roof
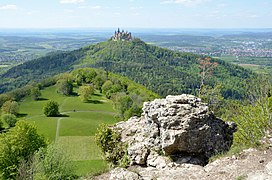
[121, 36]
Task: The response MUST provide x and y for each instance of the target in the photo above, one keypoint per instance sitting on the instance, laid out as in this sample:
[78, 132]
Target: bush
[10, 107]
[10, 119]
[114, 151]
[52, 163]
[17, 145]
[1, 126]
[253, 122]
[35, 93]
[65, 87]
[85, 92]
[51, 109]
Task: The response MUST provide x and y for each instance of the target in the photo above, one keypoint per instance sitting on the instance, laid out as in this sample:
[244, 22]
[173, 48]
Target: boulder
[180, 127]
[121, 174]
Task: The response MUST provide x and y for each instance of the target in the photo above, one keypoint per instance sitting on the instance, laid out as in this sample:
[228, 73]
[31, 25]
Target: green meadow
[74, 130]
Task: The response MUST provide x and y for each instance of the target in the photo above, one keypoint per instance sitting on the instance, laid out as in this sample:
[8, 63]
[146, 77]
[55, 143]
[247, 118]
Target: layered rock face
[181, 127]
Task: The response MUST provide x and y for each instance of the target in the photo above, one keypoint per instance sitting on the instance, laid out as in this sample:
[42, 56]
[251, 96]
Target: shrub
[85, 92]
[65, 87]
[10, 107]
[35, 93]
[1, 126]
[10, 119]
[18, 144]
[52, 163]
[51, 109]
[114, 151]
[253, 121]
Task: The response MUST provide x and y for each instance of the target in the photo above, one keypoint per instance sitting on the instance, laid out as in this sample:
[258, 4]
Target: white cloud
[184, 2]
[9, 7]
[71, 1]
[32, 12]
[135, 14]
[96, 7]
[135, 8]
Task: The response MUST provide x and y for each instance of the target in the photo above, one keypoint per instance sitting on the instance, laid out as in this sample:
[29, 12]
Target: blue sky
[136, 13]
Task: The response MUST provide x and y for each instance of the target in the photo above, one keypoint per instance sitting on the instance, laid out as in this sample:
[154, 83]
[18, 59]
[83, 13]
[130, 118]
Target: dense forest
[162, 71]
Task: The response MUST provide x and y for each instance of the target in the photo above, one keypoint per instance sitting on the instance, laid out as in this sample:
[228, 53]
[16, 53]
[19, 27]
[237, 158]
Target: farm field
[256, 64]
[74, 130]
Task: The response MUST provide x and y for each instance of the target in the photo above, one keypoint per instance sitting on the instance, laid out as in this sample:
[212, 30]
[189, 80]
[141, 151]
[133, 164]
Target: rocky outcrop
[184, 129]
[250, 164]
[180, 127]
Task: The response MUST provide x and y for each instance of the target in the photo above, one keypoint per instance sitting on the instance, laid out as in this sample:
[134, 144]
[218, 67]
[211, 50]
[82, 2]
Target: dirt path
[98, 111]
[58, 129]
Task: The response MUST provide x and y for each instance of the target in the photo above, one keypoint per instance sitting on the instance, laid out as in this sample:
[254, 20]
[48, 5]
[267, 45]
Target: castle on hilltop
[121, 36]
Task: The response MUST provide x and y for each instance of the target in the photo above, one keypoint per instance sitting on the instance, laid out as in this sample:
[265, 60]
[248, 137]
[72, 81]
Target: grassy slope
[76, 129]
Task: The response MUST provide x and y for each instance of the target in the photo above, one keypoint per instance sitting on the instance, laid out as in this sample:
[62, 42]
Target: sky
[136, 13]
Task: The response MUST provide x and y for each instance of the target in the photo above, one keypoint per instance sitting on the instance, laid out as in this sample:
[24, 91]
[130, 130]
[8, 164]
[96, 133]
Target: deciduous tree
[9, 119]
[10, 107]
[85, 92]
[207, 67]
[65, 87]
[51, 108]
[18, 144]
[35, 93]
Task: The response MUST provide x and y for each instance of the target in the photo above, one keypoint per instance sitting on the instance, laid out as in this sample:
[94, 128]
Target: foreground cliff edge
[173, 139]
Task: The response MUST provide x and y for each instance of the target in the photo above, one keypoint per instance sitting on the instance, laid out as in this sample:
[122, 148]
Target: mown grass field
[75, 129]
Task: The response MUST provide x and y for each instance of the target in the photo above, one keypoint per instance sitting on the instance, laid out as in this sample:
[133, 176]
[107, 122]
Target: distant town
[239, 48]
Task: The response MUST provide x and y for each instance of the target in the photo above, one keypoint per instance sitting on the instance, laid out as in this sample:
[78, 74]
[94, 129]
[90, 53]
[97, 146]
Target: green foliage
[10, 107]
[65, 87]
[9, 119]
[18, 144]
[86, 75]
[35, 93]
[85, 92]
[106, 87]
[3, 99]
[213, 97]
[1, 125]
[52, 163]
[127, 96]
[41, 68]
[51, 109]
[253, 117]
[163, 71]
[253, 121]
[122, 103]
[113, 149]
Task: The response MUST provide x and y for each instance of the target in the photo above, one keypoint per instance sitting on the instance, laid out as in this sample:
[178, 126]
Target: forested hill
[161, 70]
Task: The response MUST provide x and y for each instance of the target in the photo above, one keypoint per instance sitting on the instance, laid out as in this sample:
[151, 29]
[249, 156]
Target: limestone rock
[123, 174]
[181, 127]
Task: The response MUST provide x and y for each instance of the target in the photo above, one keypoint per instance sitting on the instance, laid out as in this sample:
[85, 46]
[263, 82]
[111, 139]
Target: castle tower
[121, 35]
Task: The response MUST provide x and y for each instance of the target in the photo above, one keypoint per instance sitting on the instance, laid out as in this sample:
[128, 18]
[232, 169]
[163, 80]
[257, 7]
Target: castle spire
[121, 35]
